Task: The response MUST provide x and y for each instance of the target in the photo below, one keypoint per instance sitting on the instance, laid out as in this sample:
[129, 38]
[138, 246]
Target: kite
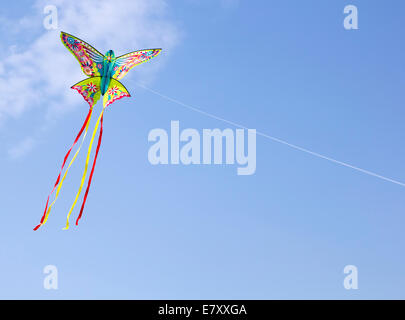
[104, 73]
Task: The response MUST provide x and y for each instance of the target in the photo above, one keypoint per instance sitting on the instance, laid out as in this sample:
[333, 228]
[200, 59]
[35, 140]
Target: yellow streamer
[85, 168]
[64, 176]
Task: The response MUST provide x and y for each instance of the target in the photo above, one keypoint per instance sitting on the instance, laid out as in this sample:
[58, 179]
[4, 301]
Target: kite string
[370, 173]
[92, 170]
[85, 168]
[84, 126]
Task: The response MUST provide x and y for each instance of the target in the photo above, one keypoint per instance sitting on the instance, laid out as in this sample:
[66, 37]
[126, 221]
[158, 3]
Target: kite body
[104, 73]
[108, 67]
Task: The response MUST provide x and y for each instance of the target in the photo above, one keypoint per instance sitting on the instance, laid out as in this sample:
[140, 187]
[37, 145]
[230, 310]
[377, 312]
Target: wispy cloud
[22, 148]
[44, 71]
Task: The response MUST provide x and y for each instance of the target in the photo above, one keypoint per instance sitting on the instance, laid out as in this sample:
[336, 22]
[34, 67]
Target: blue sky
[285, 68]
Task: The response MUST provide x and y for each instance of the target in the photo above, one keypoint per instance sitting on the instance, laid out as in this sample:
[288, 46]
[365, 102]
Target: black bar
[212, 309]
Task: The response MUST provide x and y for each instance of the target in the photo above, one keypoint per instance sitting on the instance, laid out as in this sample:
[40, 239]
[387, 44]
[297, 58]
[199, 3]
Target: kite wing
[127, 61]
[89, 89]
[89, 58]
[115, 91]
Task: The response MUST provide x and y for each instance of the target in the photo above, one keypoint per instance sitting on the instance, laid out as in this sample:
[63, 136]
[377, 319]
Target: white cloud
[21, 148]
[45, 70]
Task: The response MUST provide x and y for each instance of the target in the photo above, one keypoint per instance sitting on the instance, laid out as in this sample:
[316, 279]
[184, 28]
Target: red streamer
[63, 164]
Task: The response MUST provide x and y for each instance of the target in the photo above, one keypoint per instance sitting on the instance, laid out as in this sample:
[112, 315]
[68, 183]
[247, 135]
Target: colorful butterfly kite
[103, 73]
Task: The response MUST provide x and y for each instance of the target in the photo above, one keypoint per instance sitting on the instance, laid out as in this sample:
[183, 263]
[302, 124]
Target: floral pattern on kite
[89, 58]
[130, 60]
[115, 92]
[89, 89]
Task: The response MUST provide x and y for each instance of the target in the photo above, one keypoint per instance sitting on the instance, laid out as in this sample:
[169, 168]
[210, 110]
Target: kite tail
[84, 126]
[66, 172]
[86, 166]
[92, 170]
